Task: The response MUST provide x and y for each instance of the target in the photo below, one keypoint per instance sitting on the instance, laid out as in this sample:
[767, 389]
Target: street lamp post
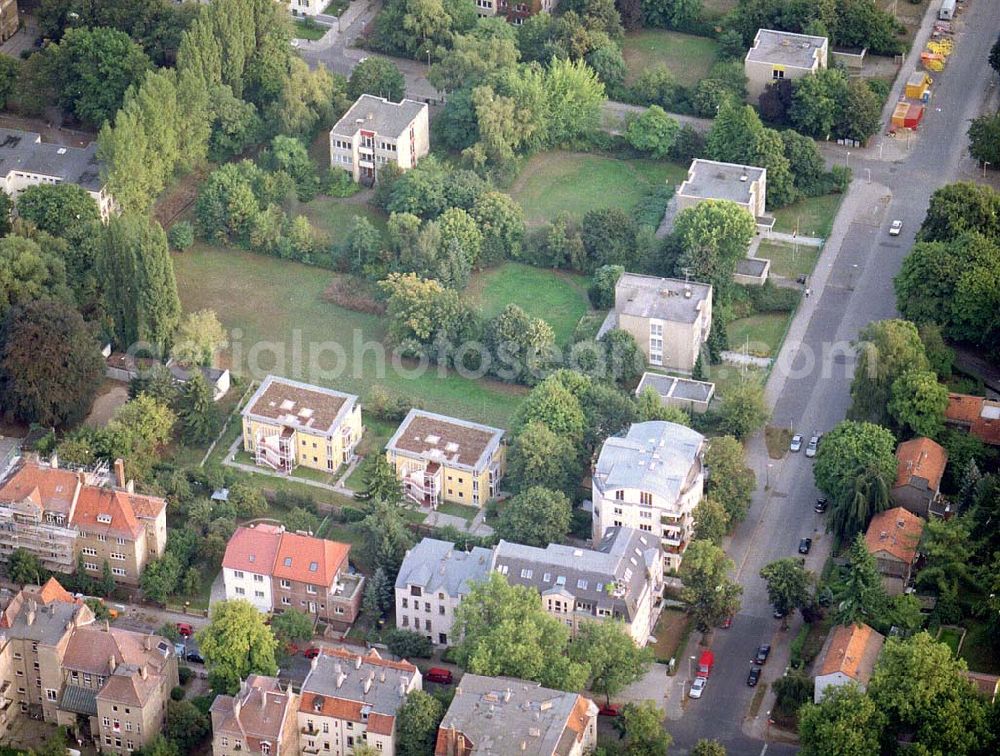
[847, 163]
[985, 164]
[767, 476]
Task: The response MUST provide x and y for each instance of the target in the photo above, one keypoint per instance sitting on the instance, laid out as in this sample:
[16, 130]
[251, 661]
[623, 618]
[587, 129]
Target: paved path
[805, 241]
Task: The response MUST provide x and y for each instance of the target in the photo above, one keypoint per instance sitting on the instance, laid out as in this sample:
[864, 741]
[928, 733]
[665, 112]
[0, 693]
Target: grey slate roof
[785, 48]
[709, 179]
[378, 114]
[660, 298]
[24, 151]
[658, 456]
[503, 716]
[48, 621]
[612, 576]
[438, 566]
[383, 695]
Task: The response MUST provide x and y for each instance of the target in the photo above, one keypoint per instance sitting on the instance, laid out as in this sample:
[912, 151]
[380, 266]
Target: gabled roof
[101, 650]
[257, 712]
[963, 408]
[920, 458]
[106, 510]
[253, 549]
[851, 650]
[53, 591]
[52, 488]
[438, 566]
[895, 532]
[309, 560]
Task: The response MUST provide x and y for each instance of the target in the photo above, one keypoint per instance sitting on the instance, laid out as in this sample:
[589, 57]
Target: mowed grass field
[763, 333]
[554, 182]
[558, 298]
[279, 322]
[787, 260]
[336, 216]
[688, 57]
[813, 216]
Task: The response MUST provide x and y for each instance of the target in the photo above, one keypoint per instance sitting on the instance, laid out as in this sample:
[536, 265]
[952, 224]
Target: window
[265, 748]
[286, 583]
[241, 592]
[620, 495]
[647, 528]
[107, 722]
[427, 625]
[427, 606]
[406, 603]
[128, 725]
[90, 566]
[225, 742]
[645, 515]
[258, 578]
[777, 73]
[87, 551]
[258, 594]
[326, 727]
[102, 538]
[547, 577]
[120, 541]
[406, 621]
[311, 589]
[286, 601]
[50, 694]
[238, 575]
[646, 498]
[415, 590]
[130, 745]
[441, 609]
[119, 571]
[581, 584]
[526, 574]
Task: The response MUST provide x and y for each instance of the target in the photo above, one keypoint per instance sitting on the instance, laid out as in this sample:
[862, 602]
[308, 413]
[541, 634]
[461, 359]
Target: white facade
[376, 132]
[651, 480]
[251, 586]
[306, 7]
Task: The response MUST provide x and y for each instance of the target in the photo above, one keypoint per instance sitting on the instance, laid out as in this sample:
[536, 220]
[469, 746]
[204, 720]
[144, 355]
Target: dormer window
[313, 566]
[288, 561]
[265, 748]
[104, 519]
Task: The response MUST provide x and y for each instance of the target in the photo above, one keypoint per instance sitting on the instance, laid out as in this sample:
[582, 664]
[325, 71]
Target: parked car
[194, 656]
[804, 545]
[895, 227]
[753, 677]
[812, 447]
[796, 444]
[778, 613]
[312, 652]
[610, 710]
[438, 675]
[763, 651]
[820, 506]
[185, 629]
[698, 687]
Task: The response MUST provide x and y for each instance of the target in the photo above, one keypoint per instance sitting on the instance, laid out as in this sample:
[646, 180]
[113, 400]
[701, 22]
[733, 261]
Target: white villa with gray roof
[622, 579]
[376, 132]
[650, 479]
[432, 581]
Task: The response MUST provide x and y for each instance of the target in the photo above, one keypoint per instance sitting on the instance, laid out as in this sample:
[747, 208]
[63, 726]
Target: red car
[438, 675]
[727, 622]
[185, 629]
[610, 710]
[312, 652]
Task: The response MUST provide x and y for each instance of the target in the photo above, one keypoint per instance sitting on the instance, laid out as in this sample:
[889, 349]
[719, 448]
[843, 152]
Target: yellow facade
[458, 485]
[319, 451]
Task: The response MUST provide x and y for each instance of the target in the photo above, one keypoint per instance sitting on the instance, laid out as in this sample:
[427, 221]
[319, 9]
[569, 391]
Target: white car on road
[895, 228]
[796, 444]
[812, 447]
[698, 686]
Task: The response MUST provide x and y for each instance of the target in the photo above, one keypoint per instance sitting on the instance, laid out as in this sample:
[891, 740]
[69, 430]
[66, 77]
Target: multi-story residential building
[622, 579]
[259, 719]
[348, 699]
[745, 185]
[58, 665]
[515, 12]
[650, 479]
[59, 515]
[920, 465]
[25, 160]
[432, 581]
[779, 55]
[287, 423]
[669, 318]
[307, 7]
[502, 715]
[376, 132]
[277, 570]
[10, 19]
[441, 458]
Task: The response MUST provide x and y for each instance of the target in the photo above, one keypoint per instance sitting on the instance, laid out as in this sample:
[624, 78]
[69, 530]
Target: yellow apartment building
[442, 458]
[287, 423]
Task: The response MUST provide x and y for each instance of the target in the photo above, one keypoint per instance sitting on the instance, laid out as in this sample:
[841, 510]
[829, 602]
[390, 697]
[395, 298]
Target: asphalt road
[857, 290]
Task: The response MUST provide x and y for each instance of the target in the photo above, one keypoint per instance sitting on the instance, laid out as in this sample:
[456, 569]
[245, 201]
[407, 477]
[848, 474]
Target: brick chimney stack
[119, 473]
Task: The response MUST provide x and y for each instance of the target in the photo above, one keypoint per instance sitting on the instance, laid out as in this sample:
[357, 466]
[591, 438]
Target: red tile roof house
[349, 699]
[277, 570]
[892, 538]
[259, 719]
[978, 416]
[849, 655]
[920, 465]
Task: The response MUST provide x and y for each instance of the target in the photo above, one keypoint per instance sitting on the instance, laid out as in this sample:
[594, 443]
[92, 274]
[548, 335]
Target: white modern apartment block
[376, 132]
[248, 563]
[432, 581]
[651, 479]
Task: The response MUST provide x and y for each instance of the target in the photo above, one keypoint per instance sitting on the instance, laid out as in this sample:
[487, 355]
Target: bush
[352, 514]
[407, 644]
[338, 183]
[880, 89]
[185, 674]
[181, 235]
[177, 694]
[602, 286]
[771, 298]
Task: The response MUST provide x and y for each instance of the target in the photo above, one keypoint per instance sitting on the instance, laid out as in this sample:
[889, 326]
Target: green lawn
[560, 299]
[950, 636]
[789, 261]
[336, 7]
[377, 434]
[557, 181]
[688, 58]
[279, 323]
[764, 332]
[727, 376]
[716, 9]
[336, 216]
[458, 510]
[813, 216]
[308, 29]
[978, 648]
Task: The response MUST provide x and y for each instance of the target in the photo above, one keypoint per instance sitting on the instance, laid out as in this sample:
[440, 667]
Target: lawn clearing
[688, 58]
[952, 637]
[458, 510]
[813, 216]
[978, 648]
[715, 9]
[310, 30]
[336, 216]
[377, 435]
[671, 628]
[725, 377]
[279, 323]
[558, 298]
[763, 332]
[789, 261]
[777, 440]
[573, 182]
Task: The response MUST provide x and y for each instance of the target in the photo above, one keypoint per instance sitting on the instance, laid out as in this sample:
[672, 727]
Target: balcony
[311, 731]
[311, 749]
[424, 485]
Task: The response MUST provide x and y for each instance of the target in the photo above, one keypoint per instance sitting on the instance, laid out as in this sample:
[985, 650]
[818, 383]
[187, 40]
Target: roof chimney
[143, 672]
[403, 685]
[369, 680]
[54, 461]
[119, 473]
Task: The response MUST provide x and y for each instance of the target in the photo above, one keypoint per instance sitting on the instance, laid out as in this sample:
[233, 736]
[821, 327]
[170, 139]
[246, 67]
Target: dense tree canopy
[789, 585]
[236, 643]
[709, 593]
[376, 76]
[614, 659]
[845, 723]
[28, 273]
[417, 721]
[731, 482]
[886, 350]
[536, 517]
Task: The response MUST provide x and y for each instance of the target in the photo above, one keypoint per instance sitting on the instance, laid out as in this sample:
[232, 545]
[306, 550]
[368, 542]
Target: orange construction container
[907, 115]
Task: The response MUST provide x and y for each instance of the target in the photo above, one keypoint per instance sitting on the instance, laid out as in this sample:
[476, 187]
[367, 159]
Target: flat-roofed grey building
[376, 132]
[778, 55]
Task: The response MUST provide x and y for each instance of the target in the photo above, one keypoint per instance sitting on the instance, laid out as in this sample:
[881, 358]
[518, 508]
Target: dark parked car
[804, 545]
[312, 652]
[439, 675]
[610, 710]
[820, 506]
[753, 677]
[194, 656]
[778, 614]
[763, 652]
